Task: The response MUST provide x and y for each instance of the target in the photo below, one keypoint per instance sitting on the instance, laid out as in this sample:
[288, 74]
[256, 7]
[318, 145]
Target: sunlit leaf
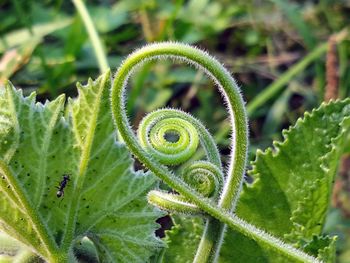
[103, 197]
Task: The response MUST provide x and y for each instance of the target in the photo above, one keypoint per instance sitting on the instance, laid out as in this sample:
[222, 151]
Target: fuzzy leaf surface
[104, 197]
[184, 236]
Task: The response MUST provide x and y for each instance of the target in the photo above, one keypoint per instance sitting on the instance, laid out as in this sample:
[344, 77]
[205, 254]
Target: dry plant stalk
[341, 191]
[342, 184]
[331, 91]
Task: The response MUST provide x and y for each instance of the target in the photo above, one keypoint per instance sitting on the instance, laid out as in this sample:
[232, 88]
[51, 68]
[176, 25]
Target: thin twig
[93, 35]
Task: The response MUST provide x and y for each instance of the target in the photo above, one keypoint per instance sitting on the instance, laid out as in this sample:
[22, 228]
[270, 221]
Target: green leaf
[104, 198]
[293, 181]
[327, 253]
[290, 194]
[184, 236]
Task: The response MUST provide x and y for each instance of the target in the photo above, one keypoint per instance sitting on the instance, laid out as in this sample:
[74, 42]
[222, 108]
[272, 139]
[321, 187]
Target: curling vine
[169, 137]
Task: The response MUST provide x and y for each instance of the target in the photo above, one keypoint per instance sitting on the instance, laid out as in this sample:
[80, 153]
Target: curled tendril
[154, 134]
[216, 209]
[205, 177]
[148, 152]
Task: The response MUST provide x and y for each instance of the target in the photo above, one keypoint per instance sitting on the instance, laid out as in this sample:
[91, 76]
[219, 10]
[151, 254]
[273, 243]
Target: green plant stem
[175, 203]
[233, 183]
[210, 244]
[93, 35]
[235, 104]
[261, 237]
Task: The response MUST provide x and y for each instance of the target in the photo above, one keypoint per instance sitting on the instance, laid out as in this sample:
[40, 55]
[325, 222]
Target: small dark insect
[63, 184]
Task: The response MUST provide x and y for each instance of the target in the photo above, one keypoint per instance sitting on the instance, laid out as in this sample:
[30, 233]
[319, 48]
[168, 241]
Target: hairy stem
[93, 35]
[230, 193]
[232, 96]
[210, 244]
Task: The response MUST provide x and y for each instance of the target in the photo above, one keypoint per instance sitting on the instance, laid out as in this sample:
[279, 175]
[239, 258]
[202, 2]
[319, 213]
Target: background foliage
[288, 56]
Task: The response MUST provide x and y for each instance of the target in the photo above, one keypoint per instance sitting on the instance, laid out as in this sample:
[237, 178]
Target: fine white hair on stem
[235, 105]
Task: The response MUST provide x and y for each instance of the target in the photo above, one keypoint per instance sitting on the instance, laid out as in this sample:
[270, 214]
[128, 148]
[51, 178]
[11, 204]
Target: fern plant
[105, 211]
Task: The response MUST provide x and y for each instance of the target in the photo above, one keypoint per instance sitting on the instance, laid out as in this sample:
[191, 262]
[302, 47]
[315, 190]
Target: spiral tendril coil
[172, 137]
[218, 210]
[204, 177]
[153, 131]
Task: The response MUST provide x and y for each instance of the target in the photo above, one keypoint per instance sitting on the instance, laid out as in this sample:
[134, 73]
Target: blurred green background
[287, 56]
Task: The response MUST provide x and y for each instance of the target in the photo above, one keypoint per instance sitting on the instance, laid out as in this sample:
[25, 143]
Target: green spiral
[219, 211]
[172, 137]
[155, 131]
[204, 177]
[144, 149]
